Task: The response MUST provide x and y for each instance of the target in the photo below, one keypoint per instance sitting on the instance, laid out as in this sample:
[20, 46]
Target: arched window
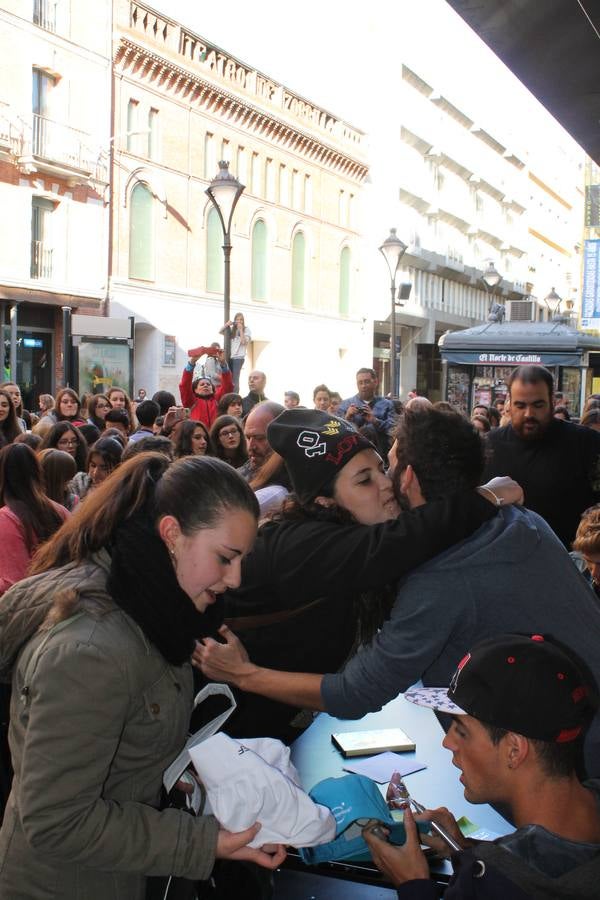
[214, 253]
[298, 264]
[141, 233]
[259, 261]
[345, 282]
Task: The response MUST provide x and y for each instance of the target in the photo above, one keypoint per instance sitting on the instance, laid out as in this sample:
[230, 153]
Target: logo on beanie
[342, 449]
[311, 443]
[331, 428]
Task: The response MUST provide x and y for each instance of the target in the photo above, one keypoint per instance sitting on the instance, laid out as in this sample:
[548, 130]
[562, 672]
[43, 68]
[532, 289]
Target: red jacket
[203, 409]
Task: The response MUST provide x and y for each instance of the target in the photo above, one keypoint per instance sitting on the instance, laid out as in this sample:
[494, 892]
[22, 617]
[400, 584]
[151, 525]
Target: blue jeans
[235, 364]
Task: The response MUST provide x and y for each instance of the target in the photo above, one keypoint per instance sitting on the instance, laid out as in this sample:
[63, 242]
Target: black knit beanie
[315, 446]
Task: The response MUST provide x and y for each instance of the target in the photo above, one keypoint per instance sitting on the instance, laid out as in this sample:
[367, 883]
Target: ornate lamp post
[393, 250]
[553, 301]
[224, 192]
[491, 277]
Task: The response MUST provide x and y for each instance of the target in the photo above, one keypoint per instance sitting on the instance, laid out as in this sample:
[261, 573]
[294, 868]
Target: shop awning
[498, 358]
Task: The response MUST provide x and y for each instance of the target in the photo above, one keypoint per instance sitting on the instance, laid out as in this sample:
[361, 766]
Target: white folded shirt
[254, 781]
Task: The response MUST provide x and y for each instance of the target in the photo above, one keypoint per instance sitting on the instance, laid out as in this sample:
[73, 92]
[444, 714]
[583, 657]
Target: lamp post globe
[491, 277]
[553, 301]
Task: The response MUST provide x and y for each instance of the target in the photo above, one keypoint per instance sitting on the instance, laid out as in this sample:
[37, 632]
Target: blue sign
[590, 301]
[33, 343]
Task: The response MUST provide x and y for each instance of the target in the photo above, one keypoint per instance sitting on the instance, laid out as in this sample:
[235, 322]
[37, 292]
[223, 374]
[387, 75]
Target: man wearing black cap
[520, 708]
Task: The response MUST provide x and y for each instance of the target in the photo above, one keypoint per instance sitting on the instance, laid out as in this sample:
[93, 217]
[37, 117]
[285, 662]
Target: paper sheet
[380, 767]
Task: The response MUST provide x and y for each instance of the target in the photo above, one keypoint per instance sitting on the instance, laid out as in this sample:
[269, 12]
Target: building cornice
[145, 65]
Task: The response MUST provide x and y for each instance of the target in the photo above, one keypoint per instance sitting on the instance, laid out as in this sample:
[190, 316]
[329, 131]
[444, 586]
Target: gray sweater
[512, 575]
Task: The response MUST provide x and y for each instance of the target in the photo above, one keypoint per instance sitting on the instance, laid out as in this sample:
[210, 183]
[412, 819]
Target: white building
[181, 105]
[469, 168]
[55, 70]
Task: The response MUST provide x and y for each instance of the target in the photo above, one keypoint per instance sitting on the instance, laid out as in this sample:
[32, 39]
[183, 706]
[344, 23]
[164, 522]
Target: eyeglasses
[69, 443]
[228, 432]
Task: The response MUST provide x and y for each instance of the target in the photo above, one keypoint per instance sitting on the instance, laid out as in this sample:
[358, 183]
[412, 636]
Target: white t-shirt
[239, 344]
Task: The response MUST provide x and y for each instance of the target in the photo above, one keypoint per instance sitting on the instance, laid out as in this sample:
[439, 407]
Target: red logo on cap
[579, 693]
[567, 734]
[537, 637]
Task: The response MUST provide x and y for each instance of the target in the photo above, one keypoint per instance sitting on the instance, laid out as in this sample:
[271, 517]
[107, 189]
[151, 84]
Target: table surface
[315, 758]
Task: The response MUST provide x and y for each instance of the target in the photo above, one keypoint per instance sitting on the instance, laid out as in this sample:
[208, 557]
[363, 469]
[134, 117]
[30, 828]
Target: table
[315, 758]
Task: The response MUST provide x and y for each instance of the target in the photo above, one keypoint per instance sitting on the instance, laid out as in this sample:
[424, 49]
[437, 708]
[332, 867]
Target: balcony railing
[44, 14]
[41, 260]
[11, 131]
[60, 145]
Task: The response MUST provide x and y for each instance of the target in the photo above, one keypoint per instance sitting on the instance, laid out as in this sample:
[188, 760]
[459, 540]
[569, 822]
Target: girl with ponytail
[99, 642]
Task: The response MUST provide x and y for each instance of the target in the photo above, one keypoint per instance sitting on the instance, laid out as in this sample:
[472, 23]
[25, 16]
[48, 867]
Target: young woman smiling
[99, 644]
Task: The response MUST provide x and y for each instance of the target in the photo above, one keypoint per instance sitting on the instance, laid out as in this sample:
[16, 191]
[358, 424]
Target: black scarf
[142, 582]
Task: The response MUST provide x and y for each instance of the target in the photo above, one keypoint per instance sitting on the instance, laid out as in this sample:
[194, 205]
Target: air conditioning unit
[521, 311]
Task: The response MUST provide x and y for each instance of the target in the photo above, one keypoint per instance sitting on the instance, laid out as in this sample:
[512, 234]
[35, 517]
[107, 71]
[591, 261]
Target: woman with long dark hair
[98, 643]
[103, 457]
[120, 399]
[191, 438]
[65, 436]
[14, 392]
[58, 469]
[98, 406]
[27, 516]
[67, 408]
[227, 436]
[9, 423]
[323, 566]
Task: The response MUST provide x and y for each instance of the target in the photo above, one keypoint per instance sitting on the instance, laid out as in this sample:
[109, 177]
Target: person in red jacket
[200, 394]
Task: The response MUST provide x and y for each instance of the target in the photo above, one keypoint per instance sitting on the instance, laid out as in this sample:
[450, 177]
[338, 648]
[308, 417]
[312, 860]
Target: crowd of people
[313, 558]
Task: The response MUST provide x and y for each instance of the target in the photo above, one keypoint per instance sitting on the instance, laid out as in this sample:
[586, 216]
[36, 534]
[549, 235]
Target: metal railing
[11, 132]
[44, 14]
[57, 142]
[41, 260]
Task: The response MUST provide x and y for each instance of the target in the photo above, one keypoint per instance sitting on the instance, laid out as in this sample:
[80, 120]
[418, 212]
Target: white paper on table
[379, 768]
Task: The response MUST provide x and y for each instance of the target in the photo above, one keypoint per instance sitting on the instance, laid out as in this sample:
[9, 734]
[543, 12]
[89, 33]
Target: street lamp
[393, 250]
[553, 301]
[491, 277]
[224, 192]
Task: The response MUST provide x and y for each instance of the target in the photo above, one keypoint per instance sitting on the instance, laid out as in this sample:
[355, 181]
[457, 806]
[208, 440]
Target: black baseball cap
[315, 446]
[533, 685]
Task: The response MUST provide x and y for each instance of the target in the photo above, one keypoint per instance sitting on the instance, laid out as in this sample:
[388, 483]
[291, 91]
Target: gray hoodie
[512, 575]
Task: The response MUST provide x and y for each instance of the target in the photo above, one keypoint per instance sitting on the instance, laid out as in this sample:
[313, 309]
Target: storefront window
[489, 384]
[103, 364]
[570, 385]
[459, 387]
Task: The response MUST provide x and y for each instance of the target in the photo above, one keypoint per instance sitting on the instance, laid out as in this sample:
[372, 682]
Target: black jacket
[295, 563]
[559, 472]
